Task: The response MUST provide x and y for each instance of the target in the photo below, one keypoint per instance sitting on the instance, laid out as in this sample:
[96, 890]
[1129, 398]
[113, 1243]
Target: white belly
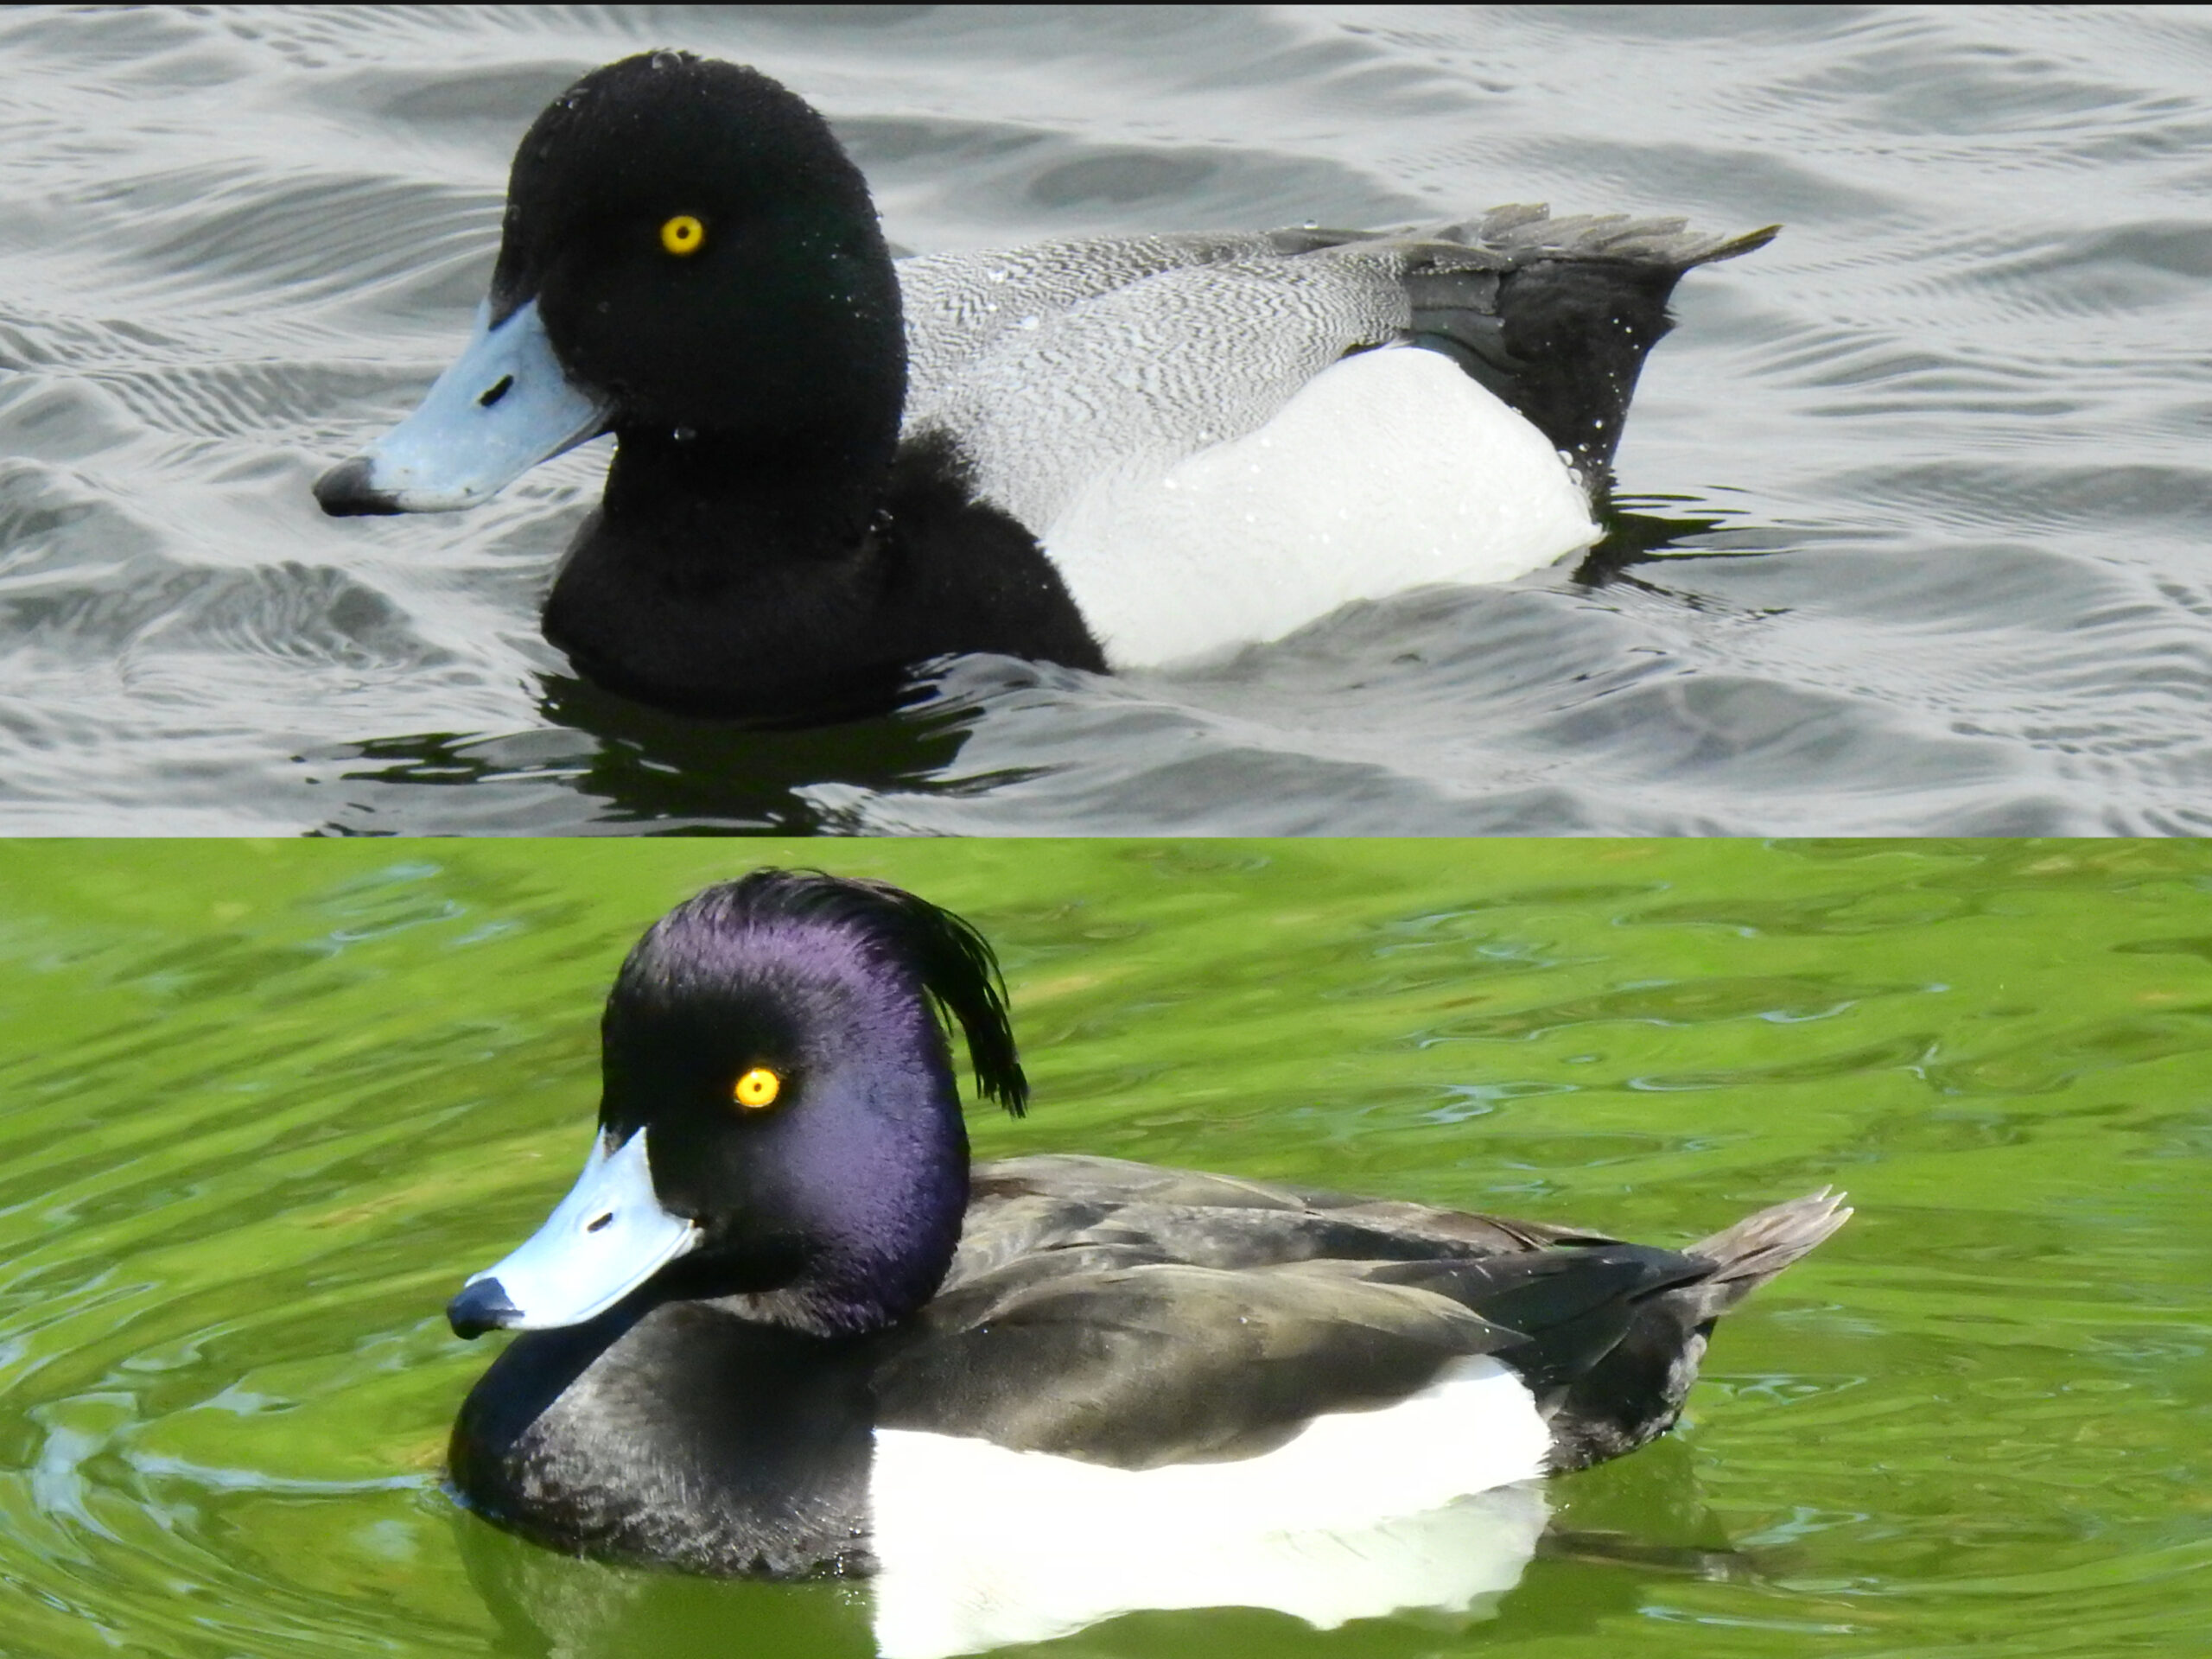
[1362, 1513]
[1388, 470]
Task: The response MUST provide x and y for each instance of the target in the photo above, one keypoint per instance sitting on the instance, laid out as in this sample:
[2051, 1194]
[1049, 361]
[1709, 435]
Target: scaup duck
[830, 467]
[780, 1327]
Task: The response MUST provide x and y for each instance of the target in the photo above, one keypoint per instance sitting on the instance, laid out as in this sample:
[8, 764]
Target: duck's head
[779, 1119]
[688, 259]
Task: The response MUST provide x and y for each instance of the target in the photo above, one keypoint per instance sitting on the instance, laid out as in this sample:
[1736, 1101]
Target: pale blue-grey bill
[604, 1240]
[503, 406]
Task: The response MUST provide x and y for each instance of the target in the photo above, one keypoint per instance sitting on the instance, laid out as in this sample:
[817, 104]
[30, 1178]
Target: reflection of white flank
[1362, 1513]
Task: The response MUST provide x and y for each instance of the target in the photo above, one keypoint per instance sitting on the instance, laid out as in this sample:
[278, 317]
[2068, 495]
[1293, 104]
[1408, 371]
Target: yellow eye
[757, 1087]
[684, 236]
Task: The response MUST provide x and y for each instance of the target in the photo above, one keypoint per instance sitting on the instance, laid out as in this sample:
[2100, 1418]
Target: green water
[266, 1105]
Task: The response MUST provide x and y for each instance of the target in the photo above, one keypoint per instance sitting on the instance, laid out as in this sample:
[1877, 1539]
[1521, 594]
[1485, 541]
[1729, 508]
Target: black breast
[682, 1436]
[759, 607]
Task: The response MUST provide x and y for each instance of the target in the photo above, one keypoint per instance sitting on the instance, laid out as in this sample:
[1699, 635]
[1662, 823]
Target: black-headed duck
[832, 466]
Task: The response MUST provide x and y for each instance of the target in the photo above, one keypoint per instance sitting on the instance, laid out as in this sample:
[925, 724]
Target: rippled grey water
[1927, 479]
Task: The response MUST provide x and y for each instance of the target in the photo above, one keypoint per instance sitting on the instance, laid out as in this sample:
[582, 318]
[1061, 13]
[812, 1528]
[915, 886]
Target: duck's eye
[757, 1087]
[684, 236]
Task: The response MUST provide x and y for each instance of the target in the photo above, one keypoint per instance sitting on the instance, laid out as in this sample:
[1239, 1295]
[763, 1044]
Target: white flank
[1362, 1513]
[1388, 470]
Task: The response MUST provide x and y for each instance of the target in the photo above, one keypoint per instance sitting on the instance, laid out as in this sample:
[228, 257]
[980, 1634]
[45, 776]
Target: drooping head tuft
[780, 1047]
[951, 961]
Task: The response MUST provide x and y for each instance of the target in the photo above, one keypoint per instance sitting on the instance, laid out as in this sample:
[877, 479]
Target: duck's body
[1124, 1317]
[1218, 438]
[799, 1337]
[1102, 453]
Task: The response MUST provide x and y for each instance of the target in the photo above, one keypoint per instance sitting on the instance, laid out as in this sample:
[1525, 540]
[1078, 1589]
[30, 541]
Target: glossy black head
[777, 1040]
[703, 252]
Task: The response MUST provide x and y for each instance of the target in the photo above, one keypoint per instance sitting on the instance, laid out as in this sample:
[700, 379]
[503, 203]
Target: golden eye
[757, 1087]
[684, 236]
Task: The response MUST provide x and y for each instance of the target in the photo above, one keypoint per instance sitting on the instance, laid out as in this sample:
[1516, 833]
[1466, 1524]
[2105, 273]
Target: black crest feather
[953, 961]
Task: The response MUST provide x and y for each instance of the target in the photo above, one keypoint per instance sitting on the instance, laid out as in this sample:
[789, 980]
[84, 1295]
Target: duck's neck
[864, 1285]
[722, 576]
[710, 509]
[798, 580]
[870, 1262]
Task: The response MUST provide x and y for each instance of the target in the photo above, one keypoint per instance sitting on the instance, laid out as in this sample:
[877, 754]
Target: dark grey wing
[1138, 1366]
[1057, 1200]
[1137, 1316]
[1083, 1352]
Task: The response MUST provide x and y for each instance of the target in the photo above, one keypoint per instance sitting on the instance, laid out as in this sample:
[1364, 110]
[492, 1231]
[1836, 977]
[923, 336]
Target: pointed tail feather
[1760, 1246]
[1637, 1391]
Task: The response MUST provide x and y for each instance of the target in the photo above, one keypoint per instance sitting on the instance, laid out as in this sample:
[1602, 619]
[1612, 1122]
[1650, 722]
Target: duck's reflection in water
[1539, 1560]
[1452, 1564]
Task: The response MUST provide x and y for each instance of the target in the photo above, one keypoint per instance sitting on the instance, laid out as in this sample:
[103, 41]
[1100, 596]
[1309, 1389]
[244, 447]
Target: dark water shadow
[601, 760]
[1615, 1530]
[1675, 526]
[650, 765]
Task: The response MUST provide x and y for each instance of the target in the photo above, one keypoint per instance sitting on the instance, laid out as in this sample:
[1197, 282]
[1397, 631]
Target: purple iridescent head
[780, 1122]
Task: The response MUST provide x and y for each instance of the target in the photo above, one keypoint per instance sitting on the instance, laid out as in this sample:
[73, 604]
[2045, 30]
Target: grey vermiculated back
[1153, 347]
[1151, 372]
[1019, 1204]
[959, 303]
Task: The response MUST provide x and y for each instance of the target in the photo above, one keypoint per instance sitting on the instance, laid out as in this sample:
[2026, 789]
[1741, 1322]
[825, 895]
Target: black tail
[1636, 1392]
[1556, 316]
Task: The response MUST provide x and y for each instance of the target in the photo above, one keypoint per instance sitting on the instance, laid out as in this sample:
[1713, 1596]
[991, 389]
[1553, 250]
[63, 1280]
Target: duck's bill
[603, 1241]
[503, 406]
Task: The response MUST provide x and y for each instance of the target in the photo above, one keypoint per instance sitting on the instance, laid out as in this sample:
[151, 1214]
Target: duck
[832, 467]
[780, 1327]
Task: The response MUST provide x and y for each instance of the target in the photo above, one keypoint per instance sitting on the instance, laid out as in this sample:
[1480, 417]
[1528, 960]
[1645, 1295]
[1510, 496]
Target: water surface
[1925, 480]
[268, 1104]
